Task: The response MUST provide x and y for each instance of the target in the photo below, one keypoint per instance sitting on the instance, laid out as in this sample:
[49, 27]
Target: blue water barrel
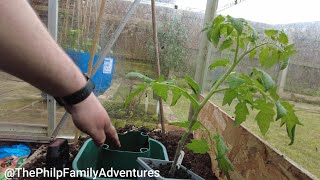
[102, 79]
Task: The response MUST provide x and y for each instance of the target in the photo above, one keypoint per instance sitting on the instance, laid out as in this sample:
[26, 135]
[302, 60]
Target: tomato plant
[236, 36]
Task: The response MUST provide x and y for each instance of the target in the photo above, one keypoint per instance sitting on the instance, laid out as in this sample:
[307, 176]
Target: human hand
[91, 118]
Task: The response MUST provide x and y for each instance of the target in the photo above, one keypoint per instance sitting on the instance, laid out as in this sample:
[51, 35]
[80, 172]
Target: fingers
[109, 134]
[99, 137]
[112, 135]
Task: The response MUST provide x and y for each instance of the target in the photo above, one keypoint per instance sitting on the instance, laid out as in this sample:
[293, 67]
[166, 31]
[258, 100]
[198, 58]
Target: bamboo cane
[96, 37]
[155, 40]
[94, 45]
[65, 23]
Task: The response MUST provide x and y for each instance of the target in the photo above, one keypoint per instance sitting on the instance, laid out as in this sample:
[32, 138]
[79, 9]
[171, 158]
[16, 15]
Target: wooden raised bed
[252, 157]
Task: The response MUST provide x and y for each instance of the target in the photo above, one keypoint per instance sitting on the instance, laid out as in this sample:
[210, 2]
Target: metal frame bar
[53, 7]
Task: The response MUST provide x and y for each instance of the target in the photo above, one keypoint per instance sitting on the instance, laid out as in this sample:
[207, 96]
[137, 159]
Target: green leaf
[223, 31]
[222, 149]
[176, 94]
[229, 96]
[225, 166]
[194, 86]
[140, 76]
[224, 163]
[199, 146]
[241, 113]
[281, 111]
[235, 81]
[283, 38]
[215, 35]
[284, 64]
[273, 59]
[287, 52]
[254, 35]
[290, 120]
[249, 97]
[229, 29]
[265, 79]
[193, 100]
[226, 44]
[219, 19]
[264, 55]
[237, 23]
[242, 42]
[186, 124]
[160, 89]
[264, 116]
[273, 94]
[220, 62]
[140, 88]
[271, 32]
[252, 54]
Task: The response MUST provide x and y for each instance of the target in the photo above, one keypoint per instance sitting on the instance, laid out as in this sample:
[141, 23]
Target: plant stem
[223, 78]
[265, 95]
[182, 142]
[256, 47]
[197, 111]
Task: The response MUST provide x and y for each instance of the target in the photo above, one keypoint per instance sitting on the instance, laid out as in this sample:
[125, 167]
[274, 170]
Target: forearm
[28, 51]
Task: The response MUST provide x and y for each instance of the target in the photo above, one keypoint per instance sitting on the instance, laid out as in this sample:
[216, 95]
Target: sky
[266, 11]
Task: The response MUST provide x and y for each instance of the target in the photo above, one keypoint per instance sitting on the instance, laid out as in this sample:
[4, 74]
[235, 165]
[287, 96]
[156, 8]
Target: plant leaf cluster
[255, 90]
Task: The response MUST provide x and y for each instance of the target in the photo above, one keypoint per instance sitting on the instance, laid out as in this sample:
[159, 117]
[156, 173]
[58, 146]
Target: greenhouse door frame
[45, 133]
[26, 132]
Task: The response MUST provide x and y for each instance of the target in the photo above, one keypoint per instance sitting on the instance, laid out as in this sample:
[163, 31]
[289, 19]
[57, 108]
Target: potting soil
[198, 163]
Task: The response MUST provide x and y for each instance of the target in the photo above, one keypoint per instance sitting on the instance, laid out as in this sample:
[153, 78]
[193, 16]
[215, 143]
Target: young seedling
[255, 90]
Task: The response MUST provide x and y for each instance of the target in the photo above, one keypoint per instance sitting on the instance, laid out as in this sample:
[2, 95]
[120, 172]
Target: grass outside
[136, 114]
[306, 149]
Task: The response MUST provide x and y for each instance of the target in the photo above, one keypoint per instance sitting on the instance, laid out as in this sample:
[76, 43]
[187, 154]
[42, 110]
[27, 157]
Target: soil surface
[198, 163]
[165, 169]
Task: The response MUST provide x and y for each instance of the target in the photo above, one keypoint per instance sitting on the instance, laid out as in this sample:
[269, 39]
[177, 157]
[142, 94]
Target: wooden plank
[24, 138]
[23, 129]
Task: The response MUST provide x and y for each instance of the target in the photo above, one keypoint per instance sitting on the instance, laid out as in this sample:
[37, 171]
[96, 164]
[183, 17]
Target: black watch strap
[78, 96]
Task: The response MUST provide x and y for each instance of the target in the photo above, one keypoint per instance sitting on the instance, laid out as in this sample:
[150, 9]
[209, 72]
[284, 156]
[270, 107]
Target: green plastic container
[134, 145]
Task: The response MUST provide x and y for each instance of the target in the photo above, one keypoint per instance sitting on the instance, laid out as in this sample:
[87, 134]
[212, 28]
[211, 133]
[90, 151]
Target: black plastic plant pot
[57, 154]
[153, 164]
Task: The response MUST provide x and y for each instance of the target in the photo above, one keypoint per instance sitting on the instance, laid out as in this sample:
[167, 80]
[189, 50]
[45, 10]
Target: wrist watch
[78, 96]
